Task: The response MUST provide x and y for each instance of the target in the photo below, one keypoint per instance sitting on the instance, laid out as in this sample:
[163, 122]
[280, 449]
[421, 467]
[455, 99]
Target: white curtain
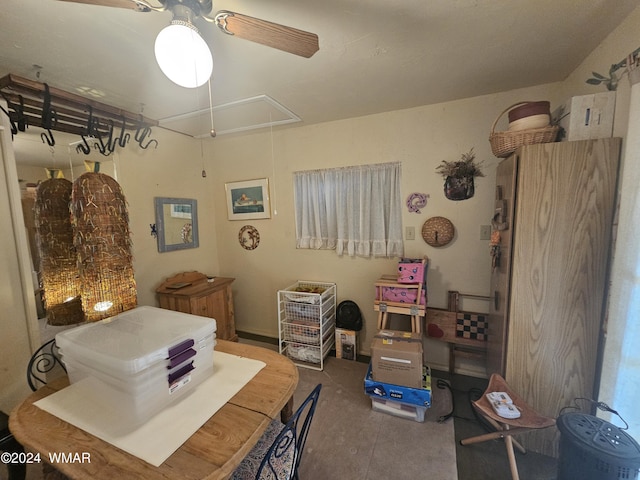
[354, 210]
[620, 382]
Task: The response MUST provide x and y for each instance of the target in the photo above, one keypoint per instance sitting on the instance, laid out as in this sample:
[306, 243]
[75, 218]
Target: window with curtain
[352, 210]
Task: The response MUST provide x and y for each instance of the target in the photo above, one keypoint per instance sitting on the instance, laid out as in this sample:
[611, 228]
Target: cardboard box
[414, 396]
[586, 117]
[345, 344]
[396, 358]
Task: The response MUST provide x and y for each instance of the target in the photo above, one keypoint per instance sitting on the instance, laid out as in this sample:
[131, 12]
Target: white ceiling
[375, 55]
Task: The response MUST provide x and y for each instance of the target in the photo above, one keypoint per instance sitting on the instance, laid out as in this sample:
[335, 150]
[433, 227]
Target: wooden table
[213, 452]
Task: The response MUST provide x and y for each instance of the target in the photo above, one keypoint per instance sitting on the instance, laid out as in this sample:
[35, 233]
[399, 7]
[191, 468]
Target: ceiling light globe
[183, 55]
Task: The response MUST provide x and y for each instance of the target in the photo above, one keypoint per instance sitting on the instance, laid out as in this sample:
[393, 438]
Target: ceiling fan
[287, 39]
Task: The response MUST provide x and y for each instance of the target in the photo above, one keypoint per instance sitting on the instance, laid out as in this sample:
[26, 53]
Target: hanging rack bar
[67, 116]
[73, 111]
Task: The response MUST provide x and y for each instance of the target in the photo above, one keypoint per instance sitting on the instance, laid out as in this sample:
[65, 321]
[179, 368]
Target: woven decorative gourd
[102, 239]
[58, 259]
[438, 231]
[504, 144]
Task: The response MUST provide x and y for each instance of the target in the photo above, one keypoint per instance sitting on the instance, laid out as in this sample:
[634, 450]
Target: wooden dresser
[192, 292]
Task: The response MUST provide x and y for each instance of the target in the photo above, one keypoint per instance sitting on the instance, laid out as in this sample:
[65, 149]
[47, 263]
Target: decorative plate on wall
[438, 231]
[249, 237]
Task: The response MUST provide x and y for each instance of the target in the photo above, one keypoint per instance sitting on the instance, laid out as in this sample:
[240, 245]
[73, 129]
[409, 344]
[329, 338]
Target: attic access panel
[238, 116]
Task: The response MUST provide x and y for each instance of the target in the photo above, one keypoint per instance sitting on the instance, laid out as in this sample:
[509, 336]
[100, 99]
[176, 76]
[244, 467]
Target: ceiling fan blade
[271, 34]
[131, 4]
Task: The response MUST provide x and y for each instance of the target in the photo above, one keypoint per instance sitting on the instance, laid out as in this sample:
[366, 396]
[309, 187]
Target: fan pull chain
[204, 172]
[213, 130]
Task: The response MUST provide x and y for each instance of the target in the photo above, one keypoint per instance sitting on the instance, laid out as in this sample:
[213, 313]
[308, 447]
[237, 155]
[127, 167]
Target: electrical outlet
[485, 232]
[410, 233]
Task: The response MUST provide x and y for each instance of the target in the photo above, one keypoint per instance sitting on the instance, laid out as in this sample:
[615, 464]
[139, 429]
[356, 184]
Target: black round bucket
[594, 449]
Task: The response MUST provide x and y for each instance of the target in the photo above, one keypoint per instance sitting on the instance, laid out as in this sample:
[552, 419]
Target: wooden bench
[445, 325]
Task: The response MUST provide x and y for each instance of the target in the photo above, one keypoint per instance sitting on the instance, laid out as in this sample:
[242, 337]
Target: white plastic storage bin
[142, 397]
[399, 409]
[142, 360]
[306, 322]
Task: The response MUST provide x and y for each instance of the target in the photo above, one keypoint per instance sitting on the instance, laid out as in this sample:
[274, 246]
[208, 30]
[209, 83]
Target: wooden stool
[385, 310]
[384, 307]
[506, 428]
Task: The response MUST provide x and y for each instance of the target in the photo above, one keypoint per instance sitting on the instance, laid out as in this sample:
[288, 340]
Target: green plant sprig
[465, 167]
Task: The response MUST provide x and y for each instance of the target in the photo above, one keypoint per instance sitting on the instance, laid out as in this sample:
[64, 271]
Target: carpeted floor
[348, 440]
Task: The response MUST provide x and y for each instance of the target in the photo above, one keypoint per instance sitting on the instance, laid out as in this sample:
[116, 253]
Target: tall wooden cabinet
[193, 292]
[554, 209]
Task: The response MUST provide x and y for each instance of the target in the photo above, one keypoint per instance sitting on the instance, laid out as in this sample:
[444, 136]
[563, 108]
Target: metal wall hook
[153, 140]
[100, 146]
[124, 137]
[49, 115]
[14, 126]
[48, 138]
[142, 132]
[83, 147]
[111, 142]
[19, 120]
[22, 118]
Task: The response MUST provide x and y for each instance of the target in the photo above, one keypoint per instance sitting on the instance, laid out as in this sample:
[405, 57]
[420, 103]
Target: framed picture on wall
[179, 210]
[248, 199]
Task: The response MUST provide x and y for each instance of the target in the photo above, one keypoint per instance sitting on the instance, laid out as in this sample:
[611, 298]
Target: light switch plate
[485, 232]
[410, 233]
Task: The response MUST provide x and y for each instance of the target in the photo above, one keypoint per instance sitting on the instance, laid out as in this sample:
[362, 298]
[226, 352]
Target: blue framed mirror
[176, 223]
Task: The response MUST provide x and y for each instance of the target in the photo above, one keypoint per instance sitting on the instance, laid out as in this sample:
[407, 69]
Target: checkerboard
[471, 325]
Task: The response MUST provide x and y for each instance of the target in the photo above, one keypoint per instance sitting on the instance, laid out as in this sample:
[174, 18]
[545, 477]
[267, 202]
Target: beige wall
[420, 138]
[174, 169]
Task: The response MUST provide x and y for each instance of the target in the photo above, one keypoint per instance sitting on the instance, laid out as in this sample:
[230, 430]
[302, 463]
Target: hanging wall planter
[459, 176]
[459, 188]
